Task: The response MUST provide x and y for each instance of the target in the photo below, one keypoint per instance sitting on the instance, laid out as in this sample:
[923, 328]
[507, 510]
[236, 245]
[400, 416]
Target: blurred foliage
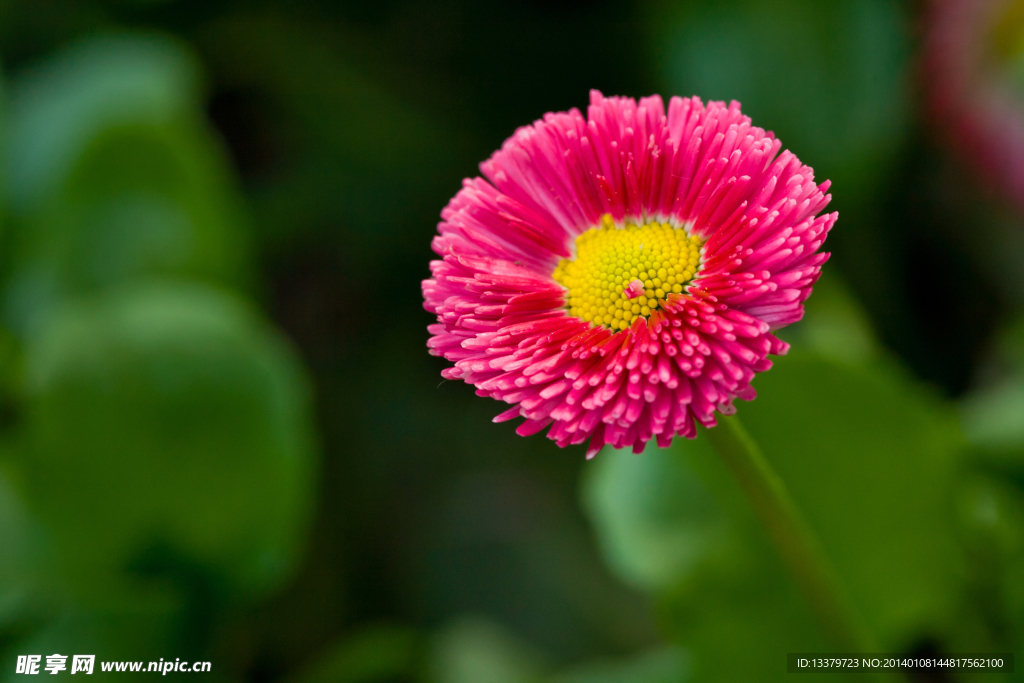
[115, 176]
[992, 411]
[211, 466]
[472, 650]
[23, 549]
[159, 430]
[376, 652]
[221, 437]
[829, 79]
[991, 501]
[665, 665]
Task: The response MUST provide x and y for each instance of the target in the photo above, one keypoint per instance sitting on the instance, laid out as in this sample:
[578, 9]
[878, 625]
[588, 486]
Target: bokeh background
[222, 438]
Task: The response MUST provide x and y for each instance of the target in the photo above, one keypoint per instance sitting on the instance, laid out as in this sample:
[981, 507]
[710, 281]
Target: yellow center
[608, 258]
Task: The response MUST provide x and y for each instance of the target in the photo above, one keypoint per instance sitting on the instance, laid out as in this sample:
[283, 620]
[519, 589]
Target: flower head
[617, 276]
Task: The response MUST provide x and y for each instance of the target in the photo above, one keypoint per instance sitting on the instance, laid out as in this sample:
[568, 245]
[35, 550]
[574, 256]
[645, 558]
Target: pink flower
[971, 80]
[531, 290]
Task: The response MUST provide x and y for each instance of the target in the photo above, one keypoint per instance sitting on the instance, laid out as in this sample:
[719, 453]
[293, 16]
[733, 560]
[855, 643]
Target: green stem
[793, 537]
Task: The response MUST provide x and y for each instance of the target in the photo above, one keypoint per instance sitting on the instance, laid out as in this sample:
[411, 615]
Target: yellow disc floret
[608, 258]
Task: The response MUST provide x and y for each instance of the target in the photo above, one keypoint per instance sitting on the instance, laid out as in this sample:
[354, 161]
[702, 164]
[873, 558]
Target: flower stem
[793, 537]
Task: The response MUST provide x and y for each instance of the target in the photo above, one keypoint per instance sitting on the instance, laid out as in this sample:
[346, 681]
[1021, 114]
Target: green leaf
[167, 431]
[665, 665]
[828, 78]
[139, 631]
[993, 413]
[657, 521]
[737, 613]
[23, 561]
[992, 497]
[993, 417]
[835, 325]
[374, 653]
[869, 459]
[476, 650]
[991, 522]
[61, 105]
[114, 175]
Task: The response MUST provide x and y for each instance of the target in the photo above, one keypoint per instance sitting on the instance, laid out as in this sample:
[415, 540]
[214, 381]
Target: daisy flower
[617, 277]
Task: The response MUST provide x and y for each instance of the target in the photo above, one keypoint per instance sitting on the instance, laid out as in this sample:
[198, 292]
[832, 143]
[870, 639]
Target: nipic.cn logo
[56, 663]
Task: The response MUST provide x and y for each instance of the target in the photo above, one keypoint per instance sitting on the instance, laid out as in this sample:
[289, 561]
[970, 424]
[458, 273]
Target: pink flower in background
[973, 74]
[539, 262]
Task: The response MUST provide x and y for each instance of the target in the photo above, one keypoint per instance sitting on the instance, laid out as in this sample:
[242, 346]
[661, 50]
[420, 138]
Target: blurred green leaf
[138, 631]
[1011, 341]
[657, 521]
[994, 416]
[828, 78]
[992, 498]
[113, 175]
[869, 458]
[991, 521]
[22, 562]
[168, 430]
[668, 665]
[61, 105]
[993, 413]
[374, 653]
[835, 325]
[476, 650]
[732, 603]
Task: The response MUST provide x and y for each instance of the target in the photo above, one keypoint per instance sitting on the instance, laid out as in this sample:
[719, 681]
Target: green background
[221, 435]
